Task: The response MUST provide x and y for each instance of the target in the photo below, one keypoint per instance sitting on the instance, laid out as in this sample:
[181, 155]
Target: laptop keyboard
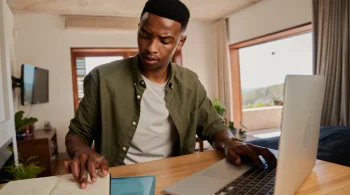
[254, 181]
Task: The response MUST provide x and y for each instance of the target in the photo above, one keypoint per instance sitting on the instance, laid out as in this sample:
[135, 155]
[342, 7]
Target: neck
[159, 75]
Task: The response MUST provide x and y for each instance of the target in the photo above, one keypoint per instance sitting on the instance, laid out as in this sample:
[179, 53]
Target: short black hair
[171, 9]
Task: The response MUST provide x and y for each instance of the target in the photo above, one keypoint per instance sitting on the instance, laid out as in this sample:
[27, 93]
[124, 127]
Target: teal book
[142, 185]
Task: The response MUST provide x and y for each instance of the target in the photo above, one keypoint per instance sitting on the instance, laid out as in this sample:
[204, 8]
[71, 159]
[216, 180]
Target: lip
[149, 60]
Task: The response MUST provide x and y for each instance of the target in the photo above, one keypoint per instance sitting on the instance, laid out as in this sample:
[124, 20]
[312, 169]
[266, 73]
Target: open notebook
[56, 185]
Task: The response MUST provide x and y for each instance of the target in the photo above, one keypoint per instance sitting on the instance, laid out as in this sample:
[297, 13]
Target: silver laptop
[303, 101]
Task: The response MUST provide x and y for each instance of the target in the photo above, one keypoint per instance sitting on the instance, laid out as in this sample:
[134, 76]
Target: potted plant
[23, 124]
[26, 169]
[220, 109]
[277, 101]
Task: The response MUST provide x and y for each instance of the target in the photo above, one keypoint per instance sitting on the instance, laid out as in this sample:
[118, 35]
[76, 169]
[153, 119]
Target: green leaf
[25, 170]
[18, 118]
[30, 158]
[220, 108]
[21, 123]
[27, 121]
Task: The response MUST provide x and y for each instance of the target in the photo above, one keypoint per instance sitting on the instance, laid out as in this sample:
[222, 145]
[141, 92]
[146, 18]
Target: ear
[181, 43]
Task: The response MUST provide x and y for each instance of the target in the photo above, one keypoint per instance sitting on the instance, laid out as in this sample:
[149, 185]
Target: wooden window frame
[235, 65]
[93, 52]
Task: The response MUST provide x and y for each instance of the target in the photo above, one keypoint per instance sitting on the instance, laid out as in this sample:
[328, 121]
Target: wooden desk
[326, 178]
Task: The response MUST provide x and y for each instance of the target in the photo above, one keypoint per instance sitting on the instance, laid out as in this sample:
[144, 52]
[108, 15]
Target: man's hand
[241, 153]
[86, 161]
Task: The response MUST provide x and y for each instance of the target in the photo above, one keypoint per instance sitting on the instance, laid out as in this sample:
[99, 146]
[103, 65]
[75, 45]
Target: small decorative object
[24, 125]
[47, 125]
[24, 170]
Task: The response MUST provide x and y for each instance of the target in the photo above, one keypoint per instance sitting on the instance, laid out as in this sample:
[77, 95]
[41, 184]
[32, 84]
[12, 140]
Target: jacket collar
[137, 76]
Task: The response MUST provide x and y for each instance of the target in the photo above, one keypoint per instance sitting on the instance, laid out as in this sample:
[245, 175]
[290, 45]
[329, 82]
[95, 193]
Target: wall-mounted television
[34, 85]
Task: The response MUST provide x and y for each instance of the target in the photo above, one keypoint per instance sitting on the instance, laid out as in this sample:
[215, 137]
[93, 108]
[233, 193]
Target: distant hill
[263, 95]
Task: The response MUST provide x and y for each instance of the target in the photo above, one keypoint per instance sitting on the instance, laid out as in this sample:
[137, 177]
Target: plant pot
[31, 128]
[20, 135]
[27, 131]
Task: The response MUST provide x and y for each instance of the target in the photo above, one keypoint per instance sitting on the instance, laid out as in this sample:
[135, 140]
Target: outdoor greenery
[262, 97]
[257, 105]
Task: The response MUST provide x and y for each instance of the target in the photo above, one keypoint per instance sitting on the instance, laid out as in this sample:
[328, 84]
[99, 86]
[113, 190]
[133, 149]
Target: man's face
[158, 38]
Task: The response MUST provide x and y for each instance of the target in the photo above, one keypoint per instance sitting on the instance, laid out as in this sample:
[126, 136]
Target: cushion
[333, 142]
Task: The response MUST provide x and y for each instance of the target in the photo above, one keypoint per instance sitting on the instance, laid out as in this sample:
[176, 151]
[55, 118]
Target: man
[145, 108]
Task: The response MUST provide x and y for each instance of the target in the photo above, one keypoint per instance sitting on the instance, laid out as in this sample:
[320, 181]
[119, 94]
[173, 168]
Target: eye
[143, 34]
[166, 41]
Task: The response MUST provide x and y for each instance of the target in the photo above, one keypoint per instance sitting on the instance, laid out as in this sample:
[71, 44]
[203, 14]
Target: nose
[152, 46]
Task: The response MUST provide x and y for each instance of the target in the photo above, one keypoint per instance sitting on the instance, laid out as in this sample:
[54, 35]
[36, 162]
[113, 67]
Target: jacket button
[124, 148]
[138, 97]
[134, 123]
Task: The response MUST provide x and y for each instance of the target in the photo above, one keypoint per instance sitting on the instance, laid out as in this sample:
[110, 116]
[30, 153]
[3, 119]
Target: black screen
[41, 86]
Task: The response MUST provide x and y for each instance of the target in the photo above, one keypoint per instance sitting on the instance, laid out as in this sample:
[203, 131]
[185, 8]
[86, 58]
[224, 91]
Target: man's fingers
[83, 183]
[269, 157]
[91, 164]
[104, 166]
[74, 168]
[83, 172]
[234, 157]
[245, 150]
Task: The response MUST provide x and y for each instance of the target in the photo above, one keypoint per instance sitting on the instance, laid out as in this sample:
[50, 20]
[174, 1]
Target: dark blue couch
[334, 144]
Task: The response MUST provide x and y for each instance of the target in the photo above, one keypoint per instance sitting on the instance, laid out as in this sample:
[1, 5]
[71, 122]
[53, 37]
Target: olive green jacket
[110, 109]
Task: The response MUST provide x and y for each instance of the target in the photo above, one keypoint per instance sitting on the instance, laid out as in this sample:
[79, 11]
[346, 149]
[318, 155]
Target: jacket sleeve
[85, 121]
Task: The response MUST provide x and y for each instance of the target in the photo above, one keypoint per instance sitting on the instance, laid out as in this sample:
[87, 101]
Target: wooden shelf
[43, 144]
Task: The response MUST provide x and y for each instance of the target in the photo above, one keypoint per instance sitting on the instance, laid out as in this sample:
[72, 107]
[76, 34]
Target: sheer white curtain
[222, 65]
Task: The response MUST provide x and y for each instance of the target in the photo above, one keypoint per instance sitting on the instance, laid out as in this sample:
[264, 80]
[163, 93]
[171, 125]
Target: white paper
[37, 186]
[68, 186]
[56, 185]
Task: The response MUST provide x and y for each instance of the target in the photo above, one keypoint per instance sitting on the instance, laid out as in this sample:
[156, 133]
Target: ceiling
[204, 10]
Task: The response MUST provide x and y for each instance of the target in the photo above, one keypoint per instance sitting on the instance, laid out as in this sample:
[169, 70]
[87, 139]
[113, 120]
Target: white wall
[197, 53]
[262, 118]
[42, 41]
[268, 16]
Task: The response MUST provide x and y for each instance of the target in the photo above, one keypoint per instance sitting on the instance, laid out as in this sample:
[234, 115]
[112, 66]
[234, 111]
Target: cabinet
[43, 145]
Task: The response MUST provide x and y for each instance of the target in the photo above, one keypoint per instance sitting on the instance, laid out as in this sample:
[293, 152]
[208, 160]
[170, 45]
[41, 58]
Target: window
[259, 67]
[85, 59]
[263, 68]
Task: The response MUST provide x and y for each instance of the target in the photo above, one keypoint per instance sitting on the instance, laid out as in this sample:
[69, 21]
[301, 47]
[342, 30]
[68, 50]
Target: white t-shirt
[155, 134]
